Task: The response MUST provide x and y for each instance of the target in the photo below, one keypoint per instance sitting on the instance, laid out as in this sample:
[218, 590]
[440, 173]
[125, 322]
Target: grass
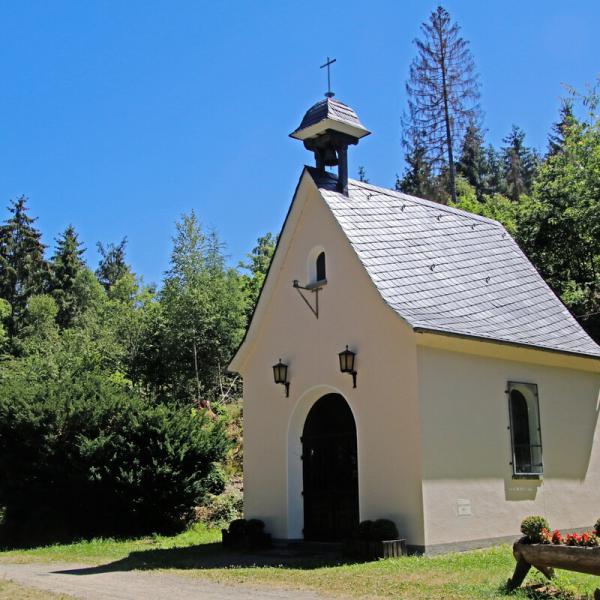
[470, 575]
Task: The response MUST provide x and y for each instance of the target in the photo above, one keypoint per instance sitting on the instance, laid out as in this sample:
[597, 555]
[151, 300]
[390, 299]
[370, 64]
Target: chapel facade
[429, 375]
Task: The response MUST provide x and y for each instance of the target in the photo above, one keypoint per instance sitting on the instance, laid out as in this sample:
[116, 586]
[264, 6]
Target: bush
[531, 528]
[364, 530]
[597, 527]
[222, 509]
[86, 457]
[377, 531]
[384, 529]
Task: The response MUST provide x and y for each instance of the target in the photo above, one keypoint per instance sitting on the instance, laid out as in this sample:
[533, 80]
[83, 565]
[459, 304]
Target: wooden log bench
[547, 557]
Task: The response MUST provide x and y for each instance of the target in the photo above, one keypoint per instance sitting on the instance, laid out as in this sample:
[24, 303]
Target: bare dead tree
[443, 93]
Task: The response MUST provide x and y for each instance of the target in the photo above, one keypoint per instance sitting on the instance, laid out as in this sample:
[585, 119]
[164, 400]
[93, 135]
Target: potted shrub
[246, 535]
[546, 550]
[377, 539]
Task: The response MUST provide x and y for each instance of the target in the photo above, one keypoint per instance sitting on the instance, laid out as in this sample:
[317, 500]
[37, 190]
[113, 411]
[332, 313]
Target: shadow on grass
[214, 556]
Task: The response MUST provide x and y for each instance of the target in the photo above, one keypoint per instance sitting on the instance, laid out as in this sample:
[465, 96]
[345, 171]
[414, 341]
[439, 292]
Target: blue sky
[118, 117]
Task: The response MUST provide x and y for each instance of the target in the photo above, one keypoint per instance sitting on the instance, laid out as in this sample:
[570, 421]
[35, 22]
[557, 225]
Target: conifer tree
[473, 164]
[443, 92]
[556, 138]
[112, 266]
[520, 163]
[65, 265]
[23, 270]
[417, 178]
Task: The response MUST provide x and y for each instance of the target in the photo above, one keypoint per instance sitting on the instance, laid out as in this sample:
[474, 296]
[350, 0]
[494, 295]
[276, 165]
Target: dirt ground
[91, 583]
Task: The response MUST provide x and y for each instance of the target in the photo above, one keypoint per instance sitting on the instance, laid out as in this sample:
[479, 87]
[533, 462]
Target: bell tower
[327, 129]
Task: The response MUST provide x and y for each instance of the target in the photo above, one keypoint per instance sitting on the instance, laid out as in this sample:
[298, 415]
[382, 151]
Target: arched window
[321, 274]
[525, 429]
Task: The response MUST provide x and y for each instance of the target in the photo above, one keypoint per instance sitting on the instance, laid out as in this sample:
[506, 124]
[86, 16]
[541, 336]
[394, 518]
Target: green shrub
[86, 457]
[377, 531]
[597, 528]
[531, 528]
[364, 530]
[222, 509]
[384, 529]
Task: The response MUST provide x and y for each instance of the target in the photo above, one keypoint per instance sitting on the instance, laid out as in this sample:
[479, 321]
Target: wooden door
[330, 471]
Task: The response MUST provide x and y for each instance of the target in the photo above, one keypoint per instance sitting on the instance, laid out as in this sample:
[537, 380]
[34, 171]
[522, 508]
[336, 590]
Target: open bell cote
[327, 129]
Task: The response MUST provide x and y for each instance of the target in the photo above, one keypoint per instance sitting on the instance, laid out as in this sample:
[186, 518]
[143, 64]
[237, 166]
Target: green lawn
[196, 553]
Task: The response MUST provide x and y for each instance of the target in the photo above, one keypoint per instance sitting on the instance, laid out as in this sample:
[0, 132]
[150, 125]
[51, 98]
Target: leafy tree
[112, 264]
[258, 264]
[520, 163]
[443, 92]
[23, 270]
[65, 266]
[203, 316]
[560, 226]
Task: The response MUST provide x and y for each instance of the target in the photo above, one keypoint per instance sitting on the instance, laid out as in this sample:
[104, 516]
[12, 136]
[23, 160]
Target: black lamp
[280, 375]
[347, 364]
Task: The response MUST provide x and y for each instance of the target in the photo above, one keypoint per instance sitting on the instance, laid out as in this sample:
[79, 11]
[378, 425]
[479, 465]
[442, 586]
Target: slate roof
[330, 109]
[449, 271]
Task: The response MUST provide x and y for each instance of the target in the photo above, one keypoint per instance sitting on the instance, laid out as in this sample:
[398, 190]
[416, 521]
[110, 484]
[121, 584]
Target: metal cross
[329, 62]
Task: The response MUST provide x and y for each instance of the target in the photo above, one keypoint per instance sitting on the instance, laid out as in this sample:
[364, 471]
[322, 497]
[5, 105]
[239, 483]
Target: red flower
[585, 539]
[573, 539]
[557, 537]
[545, 536]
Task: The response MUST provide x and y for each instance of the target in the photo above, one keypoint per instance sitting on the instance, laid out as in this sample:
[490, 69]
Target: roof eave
[322, 126]
[482, 339]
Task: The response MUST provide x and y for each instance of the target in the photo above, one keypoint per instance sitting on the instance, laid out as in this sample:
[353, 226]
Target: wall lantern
[280, 375]
[347, 364]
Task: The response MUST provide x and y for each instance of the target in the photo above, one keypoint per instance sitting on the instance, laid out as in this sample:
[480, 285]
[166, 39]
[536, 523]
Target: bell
[330, 158]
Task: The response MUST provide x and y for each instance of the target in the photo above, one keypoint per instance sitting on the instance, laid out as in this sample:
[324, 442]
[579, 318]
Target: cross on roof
[329, 62]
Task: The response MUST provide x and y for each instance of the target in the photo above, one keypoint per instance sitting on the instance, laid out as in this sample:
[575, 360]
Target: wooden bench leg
[597, 594]
[519, 575]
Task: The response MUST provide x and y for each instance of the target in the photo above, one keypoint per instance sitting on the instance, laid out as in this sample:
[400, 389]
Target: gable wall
[384, 403]
[466, 446]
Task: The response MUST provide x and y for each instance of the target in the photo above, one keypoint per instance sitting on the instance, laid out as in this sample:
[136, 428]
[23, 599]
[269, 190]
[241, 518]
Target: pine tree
[520, 163]
[65, 265]
[473, 165]
[417, 179]
[23, 270]
[556, 138]
[443, 91]
[496, 183]
[112, 266]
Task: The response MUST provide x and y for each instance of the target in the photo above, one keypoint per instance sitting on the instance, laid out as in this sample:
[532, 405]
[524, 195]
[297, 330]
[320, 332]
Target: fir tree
[23, 270]
[65, 265]
[473, 165]
[417, 179]
[443, 92]
[556, 138]
[520, 163]
[112, 266]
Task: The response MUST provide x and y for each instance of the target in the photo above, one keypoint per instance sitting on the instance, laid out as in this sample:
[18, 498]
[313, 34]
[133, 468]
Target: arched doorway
[330, 471]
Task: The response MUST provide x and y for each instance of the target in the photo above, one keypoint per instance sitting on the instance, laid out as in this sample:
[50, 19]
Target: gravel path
[89, 583]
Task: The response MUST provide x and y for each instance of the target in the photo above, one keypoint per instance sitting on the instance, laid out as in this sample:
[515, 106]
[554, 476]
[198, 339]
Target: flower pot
[547, 557]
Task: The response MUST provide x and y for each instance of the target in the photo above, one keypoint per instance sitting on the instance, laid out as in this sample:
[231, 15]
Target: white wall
[466, 446]
[384, 403]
